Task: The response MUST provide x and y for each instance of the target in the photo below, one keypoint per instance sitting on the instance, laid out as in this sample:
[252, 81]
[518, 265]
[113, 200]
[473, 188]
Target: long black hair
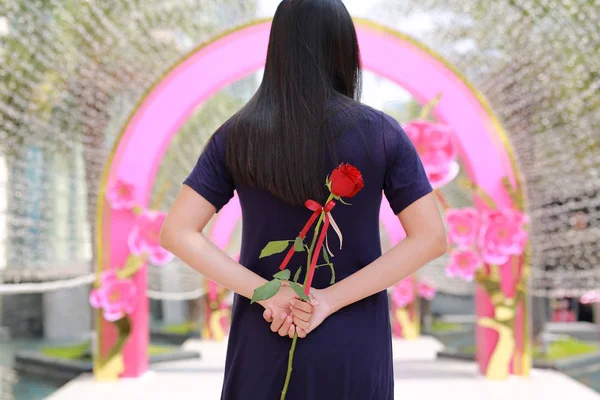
[278, 140]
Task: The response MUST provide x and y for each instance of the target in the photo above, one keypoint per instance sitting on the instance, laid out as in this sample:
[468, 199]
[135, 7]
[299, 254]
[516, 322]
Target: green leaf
[299, 244]
[325, 255]
[332, 281]
[266, 291]
[299, 291]
[274, 247]
[283, 275]
[297, 274]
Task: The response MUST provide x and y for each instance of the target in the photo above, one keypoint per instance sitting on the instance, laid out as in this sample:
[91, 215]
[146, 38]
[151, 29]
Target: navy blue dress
[348, 357]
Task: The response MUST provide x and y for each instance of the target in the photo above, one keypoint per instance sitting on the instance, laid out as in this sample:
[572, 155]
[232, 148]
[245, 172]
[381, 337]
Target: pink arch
[206, 71]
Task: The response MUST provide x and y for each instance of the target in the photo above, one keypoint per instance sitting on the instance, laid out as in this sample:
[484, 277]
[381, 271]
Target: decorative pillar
[406, 321]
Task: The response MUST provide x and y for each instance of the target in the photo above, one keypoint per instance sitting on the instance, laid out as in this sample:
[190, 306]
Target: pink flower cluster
[426, 290]
[116, 297]
[121, 195]
[491, 237]
[437, 148]
[143, 238]
[590, 297]
[403, 293]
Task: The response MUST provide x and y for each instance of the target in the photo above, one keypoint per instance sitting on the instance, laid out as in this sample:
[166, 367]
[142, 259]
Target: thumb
[268, 315]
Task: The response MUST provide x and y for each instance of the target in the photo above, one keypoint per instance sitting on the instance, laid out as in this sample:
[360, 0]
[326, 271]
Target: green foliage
[298, 244]
[329, 264]
[439, 326]
[558, 350]
[154, 349]
[332, 281]
[283, 275]
[297, 274]
[266, 291]
[566, 348]
[73, 352]
[180, 329]
[325, 255]
[82, 351]
[299, 289]
[274, 247]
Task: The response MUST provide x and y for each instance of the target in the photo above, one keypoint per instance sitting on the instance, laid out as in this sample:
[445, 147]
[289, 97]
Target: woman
[276, 153]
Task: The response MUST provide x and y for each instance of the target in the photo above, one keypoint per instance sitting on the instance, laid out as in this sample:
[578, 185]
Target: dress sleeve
[405, 177]
[211, 178]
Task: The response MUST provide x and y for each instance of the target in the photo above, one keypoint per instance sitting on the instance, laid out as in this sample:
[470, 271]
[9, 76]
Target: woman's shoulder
[218, 140]
[377, 123]
[342, 105]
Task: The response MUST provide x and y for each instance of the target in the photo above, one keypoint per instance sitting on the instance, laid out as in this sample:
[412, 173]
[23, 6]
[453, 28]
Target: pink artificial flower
[563, 316]
[121, 195]
[463, 226]
[441, 179]
[437, 148]
[144, 238]
[590, 297]
[502, 235]
[116, 297]
[426, 290]
[463, 264]
[403, 293]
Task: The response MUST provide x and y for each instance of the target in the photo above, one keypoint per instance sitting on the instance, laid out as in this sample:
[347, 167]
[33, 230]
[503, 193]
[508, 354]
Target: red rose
[345, 181]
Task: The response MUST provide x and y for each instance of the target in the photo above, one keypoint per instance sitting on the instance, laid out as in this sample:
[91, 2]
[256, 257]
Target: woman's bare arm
[182, 235]
[425, 241]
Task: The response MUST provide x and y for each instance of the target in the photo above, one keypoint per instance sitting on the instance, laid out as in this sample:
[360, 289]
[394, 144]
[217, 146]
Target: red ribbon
[317, 209]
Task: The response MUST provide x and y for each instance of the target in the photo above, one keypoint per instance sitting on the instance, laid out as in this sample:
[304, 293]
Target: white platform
[418, 376]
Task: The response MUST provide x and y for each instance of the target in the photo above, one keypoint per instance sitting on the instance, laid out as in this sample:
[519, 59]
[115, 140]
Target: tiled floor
[418, 376]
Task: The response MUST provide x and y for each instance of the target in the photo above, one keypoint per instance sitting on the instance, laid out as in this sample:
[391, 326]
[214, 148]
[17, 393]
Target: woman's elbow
[165, 239]
[440, 244]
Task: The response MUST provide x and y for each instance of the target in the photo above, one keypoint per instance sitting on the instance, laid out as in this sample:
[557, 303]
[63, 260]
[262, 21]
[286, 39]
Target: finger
[301, 332]
[301, 324]
[292, 331]
[301, 305]
[285, 328]
[277, 322]
[299, 314]
[268, 315]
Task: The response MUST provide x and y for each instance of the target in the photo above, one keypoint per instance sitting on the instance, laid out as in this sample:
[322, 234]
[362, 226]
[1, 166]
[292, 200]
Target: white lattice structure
[72, 72]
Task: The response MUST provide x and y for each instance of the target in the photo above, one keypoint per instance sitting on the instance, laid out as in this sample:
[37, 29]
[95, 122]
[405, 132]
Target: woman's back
[276, 153]
[358, 334]
[373, 142]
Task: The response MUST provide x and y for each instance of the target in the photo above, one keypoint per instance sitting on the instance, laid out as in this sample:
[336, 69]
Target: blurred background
[72, 72]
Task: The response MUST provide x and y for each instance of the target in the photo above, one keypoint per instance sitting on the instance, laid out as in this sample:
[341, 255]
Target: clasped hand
[288, 314]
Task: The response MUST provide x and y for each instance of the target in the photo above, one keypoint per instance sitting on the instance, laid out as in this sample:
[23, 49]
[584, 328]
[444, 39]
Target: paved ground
[418, 376]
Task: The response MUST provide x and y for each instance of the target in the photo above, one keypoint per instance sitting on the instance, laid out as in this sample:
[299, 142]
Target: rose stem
[295, 340]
